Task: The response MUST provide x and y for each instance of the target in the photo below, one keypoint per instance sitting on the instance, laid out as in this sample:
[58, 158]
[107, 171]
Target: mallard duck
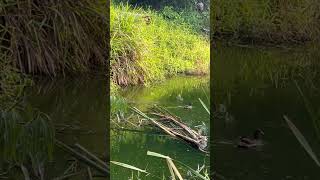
[245, 142]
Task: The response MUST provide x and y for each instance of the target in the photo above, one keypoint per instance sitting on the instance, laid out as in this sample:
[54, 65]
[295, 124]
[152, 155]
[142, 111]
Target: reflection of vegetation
[169, 89]
[145, 47]
[259, 68]
[26, 139]
[266, 20]
[12, 84]
[180, 85]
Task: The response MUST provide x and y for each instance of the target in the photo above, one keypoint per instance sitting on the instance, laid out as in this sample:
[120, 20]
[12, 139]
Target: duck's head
[257, 133]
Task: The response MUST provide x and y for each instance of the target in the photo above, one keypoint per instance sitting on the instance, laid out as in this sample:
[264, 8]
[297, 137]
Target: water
[250, 96]
[131, 147]
[77, 108]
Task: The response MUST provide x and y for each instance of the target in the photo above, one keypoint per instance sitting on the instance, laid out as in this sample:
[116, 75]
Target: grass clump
[146, 48]
[179, 11]
[53, 37]
[266, 20]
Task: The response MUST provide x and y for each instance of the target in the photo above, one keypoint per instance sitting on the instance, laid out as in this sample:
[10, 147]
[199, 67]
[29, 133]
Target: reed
[53, 37]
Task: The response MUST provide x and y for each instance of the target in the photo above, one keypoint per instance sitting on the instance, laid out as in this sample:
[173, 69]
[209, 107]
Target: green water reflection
[77, 108]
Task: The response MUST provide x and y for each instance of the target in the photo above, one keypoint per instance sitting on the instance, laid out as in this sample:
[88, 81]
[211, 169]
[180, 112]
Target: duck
[245, 142]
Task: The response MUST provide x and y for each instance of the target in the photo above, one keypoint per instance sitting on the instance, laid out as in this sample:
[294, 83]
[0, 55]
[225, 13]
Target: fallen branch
[174, 126]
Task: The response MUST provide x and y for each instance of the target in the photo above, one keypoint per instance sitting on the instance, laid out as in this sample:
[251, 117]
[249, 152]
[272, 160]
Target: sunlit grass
[147, 48]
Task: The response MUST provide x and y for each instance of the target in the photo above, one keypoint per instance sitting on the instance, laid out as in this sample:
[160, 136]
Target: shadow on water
[77, 111]
[131, 147]
[253, 89]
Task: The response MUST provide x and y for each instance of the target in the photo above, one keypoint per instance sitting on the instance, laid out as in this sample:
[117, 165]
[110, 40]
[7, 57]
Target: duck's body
[245, 142]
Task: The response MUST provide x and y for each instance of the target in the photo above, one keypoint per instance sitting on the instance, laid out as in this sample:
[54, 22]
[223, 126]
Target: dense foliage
[275, 21]
[145, 47]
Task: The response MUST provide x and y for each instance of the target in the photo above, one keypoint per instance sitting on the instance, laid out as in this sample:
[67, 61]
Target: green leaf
[129, 166]
[204, 105]
[302, 140]
[150, 153]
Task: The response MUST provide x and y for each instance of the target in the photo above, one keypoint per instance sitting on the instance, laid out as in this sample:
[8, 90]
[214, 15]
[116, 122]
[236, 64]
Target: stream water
[131, 147]
[77, 108]
[252, 91]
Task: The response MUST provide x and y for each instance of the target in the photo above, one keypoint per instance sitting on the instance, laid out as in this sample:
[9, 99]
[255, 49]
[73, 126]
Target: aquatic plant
[272, 21]
[26, 139]
[146, 48]
[54, 37]
[118, 104]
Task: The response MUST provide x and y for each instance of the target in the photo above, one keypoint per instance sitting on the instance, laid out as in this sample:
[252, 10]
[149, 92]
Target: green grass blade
[302, 140]
[150, 153]
[204, 105]
[310, 110]
[129, 166]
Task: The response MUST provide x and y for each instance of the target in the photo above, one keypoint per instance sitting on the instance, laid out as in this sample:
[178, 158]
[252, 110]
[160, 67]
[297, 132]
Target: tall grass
[179, 11]
[12, 84]
[145, 47]
[53, 37]
[266, 20]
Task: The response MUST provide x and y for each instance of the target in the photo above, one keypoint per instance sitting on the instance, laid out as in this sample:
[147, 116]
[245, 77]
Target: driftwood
[174, 126]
